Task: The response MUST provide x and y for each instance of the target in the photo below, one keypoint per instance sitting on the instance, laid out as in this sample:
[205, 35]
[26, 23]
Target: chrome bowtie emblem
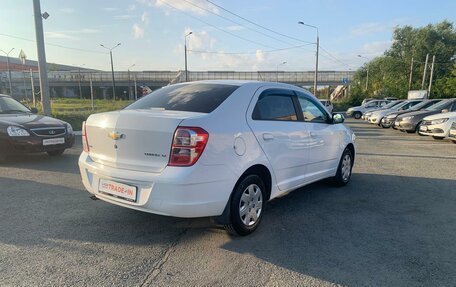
[115, 135]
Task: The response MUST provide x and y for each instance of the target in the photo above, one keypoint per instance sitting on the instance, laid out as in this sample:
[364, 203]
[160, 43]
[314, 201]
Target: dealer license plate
[119, 190]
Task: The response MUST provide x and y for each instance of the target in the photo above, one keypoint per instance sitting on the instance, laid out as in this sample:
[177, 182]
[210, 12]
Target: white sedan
[438, 126]
[214, 148]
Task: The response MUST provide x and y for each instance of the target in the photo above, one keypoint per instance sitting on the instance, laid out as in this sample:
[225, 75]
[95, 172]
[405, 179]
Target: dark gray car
[410, 122]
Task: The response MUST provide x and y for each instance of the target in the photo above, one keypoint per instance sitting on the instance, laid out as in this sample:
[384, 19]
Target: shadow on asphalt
[372, 232]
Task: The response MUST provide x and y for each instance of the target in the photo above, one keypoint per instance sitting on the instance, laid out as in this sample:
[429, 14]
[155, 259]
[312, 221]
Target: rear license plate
[54, 141]
[119, 190]
[423, 128]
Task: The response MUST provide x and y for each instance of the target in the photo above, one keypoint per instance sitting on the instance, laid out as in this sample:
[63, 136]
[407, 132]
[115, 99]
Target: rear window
[200, 98]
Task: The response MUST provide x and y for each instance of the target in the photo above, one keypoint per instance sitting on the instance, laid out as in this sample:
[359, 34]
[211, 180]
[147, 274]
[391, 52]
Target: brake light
[188, 145]
[85, 143]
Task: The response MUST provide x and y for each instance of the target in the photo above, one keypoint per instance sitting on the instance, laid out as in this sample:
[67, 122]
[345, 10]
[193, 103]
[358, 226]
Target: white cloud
[138, 32]
[67, 10]
[60, 35]
[110, 9]
[145, 18]
[376, 48]
[124, 17]
[183, 5]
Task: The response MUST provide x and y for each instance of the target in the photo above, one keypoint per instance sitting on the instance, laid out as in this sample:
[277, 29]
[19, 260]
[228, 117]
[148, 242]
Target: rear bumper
[197, 191]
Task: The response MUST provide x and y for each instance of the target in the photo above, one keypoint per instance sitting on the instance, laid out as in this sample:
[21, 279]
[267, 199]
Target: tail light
[85, 143]
[188, 145]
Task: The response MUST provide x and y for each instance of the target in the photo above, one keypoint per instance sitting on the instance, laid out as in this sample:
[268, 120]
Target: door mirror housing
[338, 118]
[34, 110]
[445, 111]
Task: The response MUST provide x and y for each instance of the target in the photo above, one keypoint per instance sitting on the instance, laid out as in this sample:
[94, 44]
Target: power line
[213, 26]
[237, 23]
[249, 53]
[54, 45]
[258, 25]
[334, 58]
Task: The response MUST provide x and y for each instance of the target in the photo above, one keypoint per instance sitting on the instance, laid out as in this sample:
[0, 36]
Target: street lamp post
[41, 51]
[277, 70]
[9, 71]
[316, 57]
[367, 72]
[185, 48]
[79, 79]
[112, 69]
[129, 82]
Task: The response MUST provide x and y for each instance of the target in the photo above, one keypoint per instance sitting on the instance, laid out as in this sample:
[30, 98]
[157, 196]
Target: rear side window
[200, 98]
[275, 106]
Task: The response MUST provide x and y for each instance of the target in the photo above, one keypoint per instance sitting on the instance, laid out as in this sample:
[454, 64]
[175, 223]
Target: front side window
[8, 106]
[311, 112]
[275, 106]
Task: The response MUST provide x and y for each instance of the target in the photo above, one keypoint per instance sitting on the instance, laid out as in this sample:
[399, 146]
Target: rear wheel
[454, 141]
[57, 152]
[357, 115]
[247, 205]
[344, 170]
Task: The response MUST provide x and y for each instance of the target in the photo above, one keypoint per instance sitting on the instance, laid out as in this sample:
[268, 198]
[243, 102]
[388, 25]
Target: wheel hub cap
[251, 204]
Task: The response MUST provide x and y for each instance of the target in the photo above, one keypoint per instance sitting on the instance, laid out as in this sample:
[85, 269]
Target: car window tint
[201, 98]
[275, 107]
[8, 104]
[311, 112]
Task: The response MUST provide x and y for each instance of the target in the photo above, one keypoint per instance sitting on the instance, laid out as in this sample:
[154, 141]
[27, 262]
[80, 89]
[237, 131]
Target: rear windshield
[191, 97]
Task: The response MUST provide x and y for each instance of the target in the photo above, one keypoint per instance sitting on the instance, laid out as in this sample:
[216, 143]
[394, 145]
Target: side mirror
[34, 110]
[445, 111]
[338, 118]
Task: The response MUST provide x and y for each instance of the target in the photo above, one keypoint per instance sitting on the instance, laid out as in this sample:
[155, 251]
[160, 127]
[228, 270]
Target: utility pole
[91, 91]
[432, 75]
[136, 90]
[129, 82]
[33, 88]
[316, 60]
[367, 71]
[42, 64]
[9, 70]
[411, 75]
[112, 69]
[424, 72]
[185, 48]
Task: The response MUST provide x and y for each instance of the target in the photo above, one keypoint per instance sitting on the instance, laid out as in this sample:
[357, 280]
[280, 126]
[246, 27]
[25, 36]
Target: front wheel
[357, 115]
[57, 152]
[454, 141]
[438, 138]
[247, 205]
[344, 170]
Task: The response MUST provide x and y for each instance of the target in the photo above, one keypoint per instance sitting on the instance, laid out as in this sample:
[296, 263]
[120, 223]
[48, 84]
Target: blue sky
[152, 31]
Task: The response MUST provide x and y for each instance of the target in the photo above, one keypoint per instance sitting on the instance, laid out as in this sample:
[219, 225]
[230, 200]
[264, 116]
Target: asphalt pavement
[393, 225]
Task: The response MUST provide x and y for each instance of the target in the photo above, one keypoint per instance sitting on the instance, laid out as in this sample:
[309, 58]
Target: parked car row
[436, 117]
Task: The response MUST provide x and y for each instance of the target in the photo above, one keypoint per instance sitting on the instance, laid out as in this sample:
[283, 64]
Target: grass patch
[75, 111]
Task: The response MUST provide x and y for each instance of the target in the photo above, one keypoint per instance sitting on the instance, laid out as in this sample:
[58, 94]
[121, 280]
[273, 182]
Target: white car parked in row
[377, 116]
[438, 126]
[214, 148]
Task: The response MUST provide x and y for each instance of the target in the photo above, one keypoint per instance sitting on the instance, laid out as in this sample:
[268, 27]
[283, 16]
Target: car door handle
[268, 137]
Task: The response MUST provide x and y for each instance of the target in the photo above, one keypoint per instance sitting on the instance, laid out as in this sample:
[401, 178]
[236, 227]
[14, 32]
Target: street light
[8, 68]
[112, 69]
[129, 83]
[277, 70]
[185, 47]
[367, 67]
[316, 58]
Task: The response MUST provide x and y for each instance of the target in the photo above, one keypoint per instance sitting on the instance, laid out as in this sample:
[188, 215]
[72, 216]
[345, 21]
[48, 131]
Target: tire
[411, 132]
[57, 152]
[343, 175]
[357, 115]
[438, 138]
[454, 141]
[383, 126]
[241, 200]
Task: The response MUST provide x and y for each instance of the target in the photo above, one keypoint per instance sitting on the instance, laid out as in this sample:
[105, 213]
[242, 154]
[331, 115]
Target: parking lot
[393, 225]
